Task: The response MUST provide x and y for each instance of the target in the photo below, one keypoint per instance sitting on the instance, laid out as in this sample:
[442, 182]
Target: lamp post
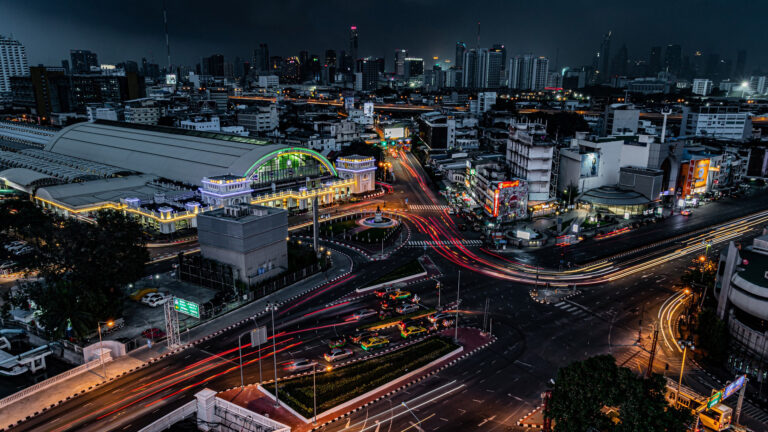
[273, 308]
[109, 323]
[683, 344]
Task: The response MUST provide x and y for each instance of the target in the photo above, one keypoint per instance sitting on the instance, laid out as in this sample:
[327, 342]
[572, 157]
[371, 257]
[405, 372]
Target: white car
[154, 299]
[338, 354]
[299, 365]
[407, 308]
[14, 246]
[362, 313]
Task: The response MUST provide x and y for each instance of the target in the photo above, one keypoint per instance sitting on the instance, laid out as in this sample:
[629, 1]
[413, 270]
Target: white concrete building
[529, 156]
[483, 102]
[259, 118]
[702, 86]
[360, 168]
[267, 81]
[101, 113]
[201, 124]
[528, 72]
[620, 119]
[142, 111]
[716, 121]
[13, 62]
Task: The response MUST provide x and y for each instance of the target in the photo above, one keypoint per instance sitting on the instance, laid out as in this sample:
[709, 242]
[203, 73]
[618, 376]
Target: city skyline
[117, 35]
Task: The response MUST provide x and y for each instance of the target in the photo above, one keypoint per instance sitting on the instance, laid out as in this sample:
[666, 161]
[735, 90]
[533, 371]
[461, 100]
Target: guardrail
[173, 417]
[53, 380]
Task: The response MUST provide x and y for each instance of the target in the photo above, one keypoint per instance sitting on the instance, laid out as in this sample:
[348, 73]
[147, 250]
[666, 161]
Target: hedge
[396, 319]
[346, 383]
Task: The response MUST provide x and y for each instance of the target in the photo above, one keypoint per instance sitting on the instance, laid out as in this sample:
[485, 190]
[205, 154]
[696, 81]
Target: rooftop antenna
[167, 44]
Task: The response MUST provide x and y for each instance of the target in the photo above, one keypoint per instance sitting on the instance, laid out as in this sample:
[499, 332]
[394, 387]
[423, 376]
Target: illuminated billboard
[507, 200]
[170, 79]
[394, 132]
[590, 165]
[700, 173]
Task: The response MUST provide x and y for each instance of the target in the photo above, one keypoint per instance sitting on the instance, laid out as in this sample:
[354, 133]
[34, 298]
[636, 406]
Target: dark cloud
[569, 30]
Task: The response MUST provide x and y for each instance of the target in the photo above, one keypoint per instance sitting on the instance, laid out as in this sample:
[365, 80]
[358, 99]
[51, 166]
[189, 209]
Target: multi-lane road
[489, 390]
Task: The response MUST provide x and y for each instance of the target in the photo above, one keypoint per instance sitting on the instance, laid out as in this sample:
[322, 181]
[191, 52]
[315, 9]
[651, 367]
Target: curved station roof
[176, 154]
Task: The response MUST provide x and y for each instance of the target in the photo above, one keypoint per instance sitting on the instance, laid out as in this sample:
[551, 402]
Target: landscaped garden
[346, 383]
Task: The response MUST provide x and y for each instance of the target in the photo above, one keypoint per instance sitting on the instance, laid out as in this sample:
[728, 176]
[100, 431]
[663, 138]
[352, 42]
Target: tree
[583, 388]
[712, 335]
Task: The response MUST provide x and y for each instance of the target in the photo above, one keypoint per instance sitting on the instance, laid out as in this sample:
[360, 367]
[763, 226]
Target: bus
[717, 418]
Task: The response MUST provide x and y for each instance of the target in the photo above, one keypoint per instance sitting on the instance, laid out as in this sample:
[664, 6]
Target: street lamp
[109, 324]
[273, 308]
[684, 344]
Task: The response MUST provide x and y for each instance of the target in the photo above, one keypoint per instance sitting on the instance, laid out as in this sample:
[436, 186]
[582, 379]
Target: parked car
[24, 250]
[14, 246]
[153, 333]
[337, 354]
[407, 308]
[299, 365]
[155, 299]
[374, 343]
[362, 314]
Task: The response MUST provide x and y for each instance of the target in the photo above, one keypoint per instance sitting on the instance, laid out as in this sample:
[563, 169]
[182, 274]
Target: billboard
[394, 132]
[590, 164]
[170, 79]
[700, 173]
[510, 200]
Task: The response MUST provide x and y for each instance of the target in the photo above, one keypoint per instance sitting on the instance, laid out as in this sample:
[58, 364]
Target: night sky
[569, 30]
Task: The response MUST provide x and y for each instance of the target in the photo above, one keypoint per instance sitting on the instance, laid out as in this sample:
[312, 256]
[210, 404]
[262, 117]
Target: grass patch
[339, 227]
[411, 268]
[349, 382]
[372, 235]
[396, 319]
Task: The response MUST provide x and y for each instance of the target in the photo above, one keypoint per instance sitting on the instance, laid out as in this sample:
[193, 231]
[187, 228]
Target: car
[385, 305]
[362, 314]
[437, 316]
[360, 337]
[408, 322]
[155, 299]
[407, 308]
[337, 343]
[685, 212]
[23, 251]
[153, 333]
[448, 322]
[382, 292]
[299, 365]
[147, 297]
[13, 247]
[338, 354]
[399, 295]
[412, 331]
[373, 343]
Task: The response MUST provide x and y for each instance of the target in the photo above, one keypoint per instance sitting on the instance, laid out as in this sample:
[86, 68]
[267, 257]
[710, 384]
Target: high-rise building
[290, 70]
[413, 66]
[493, 60]
[13, 62]
[458, 61]
[83, 61]
[213, 65]
[603, 59]
[330, 58]
[673, 59]
[471, 64]
[400, 55]
[741, 64]
[261, 58]
[500, 48]
[619, 67]
[654, 60]
[701, 86]
[528, 72]
[368, 73]
[353, 43]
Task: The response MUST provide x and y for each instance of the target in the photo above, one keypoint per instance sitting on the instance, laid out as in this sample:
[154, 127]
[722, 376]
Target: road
[487, 391]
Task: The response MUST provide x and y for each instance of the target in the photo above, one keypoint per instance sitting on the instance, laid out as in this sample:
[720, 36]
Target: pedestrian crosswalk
[571, 309]
[420, 243]
[750, 410]
[429, 207]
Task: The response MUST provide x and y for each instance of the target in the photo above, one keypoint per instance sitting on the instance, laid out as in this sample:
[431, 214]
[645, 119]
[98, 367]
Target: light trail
[317, 293]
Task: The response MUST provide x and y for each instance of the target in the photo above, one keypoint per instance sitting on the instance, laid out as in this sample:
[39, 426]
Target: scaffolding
[172, 324]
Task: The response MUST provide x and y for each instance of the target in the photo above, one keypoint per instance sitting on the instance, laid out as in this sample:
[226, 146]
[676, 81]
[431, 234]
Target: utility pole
[315, 228]
[456, 319]
[739, 404]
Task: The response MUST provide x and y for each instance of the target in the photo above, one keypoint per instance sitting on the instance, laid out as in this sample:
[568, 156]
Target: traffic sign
[186, 307]
[714, 399]
[258, 336]
[734, 386]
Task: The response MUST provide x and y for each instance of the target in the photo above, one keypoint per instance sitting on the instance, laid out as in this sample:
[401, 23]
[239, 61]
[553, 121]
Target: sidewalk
[84, 382]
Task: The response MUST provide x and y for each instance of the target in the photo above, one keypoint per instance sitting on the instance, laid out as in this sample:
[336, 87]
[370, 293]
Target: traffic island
[351, 388]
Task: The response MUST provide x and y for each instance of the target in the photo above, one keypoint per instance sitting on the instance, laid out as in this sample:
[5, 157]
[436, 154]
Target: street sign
[734, 386]
[714, 399]
[258, 336]
[186, 307]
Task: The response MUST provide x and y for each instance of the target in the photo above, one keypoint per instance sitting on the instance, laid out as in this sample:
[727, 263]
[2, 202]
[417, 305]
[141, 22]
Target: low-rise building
[259, 119]
[250, 238]
[716, 121]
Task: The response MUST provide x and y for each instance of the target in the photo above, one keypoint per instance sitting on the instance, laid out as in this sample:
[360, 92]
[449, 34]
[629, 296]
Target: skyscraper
[13, 62]
[261, 58]
[400, 56]
[673, 58]
[330, 59]
[603, 60]
[413, 66]
[353, 43]
[213, 65]
[493, 59]
[82, 61]
[654, 60]
[528, 72]
[503, 50]
[368, 74]
[470, 63]
[620, 62]
[461, 48]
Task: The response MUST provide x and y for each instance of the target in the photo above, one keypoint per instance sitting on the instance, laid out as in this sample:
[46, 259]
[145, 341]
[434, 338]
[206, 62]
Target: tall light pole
[272, 308]
[458, 300]
[314, 393]
[109, 323]
[684, 344]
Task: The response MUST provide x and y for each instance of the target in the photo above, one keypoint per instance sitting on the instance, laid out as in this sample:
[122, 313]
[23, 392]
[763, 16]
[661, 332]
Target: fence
[173, 417]
[53, 380]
